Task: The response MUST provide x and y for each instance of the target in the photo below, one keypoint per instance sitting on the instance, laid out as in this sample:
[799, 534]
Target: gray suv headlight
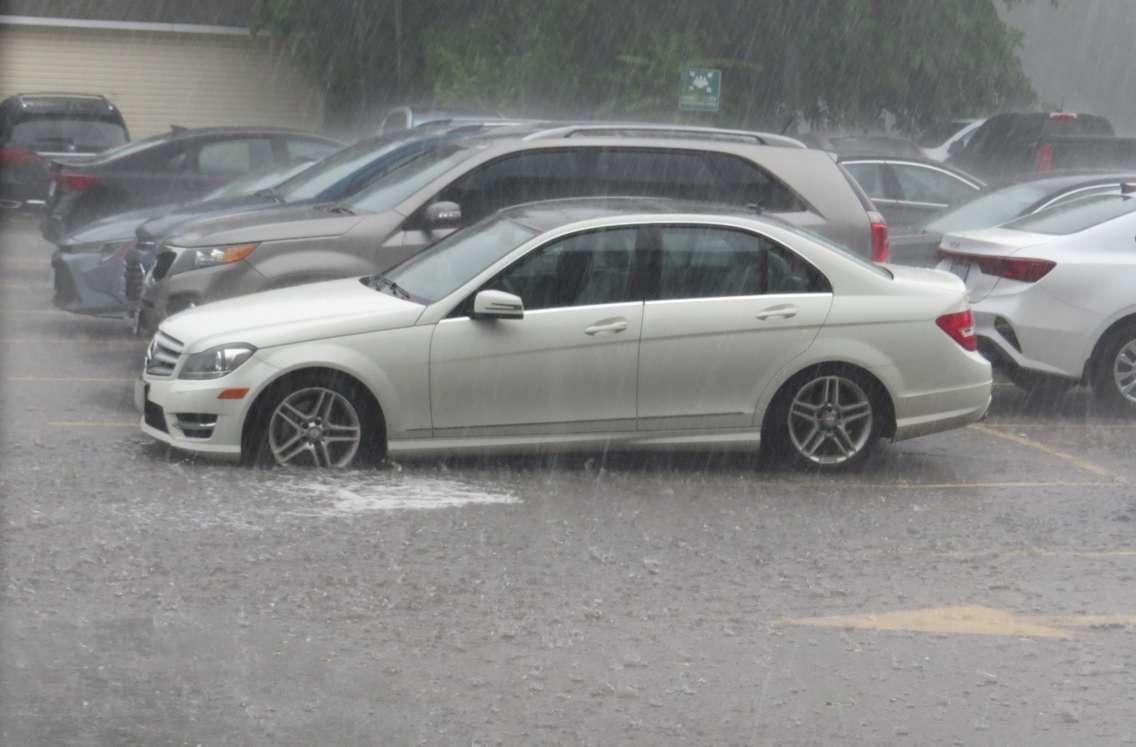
[216, 362]
[210, 256]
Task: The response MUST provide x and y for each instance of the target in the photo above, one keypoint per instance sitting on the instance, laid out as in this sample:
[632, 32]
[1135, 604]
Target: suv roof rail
[670, 131]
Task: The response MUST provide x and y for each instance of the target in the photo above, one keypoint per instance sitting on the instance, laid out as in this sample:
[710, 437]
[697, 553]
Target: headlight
[214, 256]
[216, 362]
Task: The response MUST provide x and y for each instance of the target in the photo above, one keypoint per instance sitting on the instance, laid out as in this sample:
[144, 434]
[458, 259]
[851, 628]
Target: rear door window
[924, 184]
[707, 262]
[871, 178]
[234, 157]
[314, 150]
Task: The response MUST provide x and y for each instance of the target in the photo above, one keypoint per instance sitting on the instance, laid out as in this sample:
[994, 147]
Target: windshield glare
[412, 172]
[457, 259]
[254, 183]
[373, 156]
[989, 210]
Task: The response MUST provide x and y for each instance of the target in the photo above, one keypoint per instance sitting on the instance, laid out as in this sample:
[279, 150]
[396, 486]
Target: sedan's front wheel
[319, 421]
[828, 419]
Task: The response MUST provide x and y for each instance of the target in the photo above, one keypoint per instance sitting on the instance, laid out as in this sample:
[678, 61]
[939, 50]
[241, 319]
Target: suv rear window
[1076, 216]
[67, 134]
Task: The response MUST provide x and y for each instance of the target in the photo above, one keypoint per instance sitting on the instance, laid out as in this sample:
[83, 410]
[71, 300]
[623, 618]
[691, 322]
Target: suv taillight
[75, 181]
[960, 327]
[1045, 158]
[14, 156]
[881, 244]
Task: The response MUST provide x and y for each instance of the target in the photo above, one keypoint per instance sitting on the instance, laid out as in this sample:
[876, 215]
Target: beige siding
[159, 78]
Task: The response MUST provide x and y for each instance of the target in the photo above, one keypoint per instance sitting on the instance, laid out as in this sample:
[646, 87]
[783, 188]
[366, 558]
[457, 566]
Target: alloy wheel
[1124, 371]
[314, 426]
[830, 420]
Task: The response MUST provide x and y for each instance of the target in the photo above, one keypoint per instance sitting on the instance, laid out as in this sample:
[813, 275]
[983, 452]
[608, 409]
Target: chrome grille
[163, 354]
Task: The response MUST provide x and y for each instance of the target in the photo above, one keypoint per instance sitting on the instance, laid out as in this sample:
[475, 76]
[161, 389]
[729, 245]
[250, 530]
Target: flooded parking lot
[970, 587]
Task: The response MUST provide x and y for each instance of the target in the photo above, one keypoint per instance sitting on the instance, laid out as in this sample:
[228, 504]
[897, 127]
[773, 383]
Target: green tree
[836, 62]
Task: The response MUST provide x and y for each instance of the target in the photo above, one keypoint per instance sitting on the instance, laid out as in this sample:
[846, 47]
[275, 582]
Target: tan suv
[458, 182]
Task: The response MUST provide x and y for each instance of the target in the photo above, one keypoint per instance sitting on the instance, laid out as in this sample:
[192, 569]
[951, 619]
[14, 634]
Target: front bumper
[188, 414]
[89, 283]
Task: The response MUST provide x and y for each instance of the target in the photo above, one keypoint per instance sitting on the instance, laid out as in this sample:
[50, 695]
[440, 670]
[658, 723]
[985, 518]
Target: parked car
[457, 183]
[36, 127]
[176, 167]
[89, 256]
[1053, 295]
[940, 143]
[858, 144]
[590, 323]
[1009, 146]
[98, 269]
[998, 206]
[909, 193]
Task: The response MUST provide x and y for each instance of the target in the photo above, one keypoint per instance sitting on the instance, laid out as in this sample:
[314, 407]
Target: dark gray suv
[457, 183]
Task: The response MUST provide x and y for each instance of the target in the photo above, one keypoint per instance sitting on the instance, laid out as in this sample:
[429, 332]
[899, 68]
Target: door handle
[784, 311]
[612, 326]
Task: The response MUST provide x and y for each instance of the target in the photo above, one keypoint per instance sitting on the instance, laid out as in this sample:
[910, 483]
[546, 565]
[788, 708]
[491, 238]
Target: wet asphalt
[974, 587]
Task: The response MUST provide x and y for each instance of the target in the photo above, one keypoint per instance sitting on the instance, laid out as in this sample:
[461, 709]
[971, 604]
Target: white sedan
[578, 324]
[1054, 296]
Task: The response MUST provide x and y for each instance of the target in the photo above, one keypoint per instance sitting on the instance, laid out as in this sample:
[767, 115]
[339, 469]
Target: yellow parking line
[118, 343]
[961, 485]
[93, 424]
[82, 379]
[1029, 443]
[1066, 426]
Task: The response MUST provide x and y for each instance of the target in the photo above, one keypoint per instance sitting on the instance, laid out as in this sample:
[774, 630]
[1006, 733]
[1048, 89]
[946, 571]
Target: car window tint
[234, 157]
[307, 148]
[870, 177]
[745, 183]
[701, 262]
[63, 134]
[920, 184]
[524, 177]
[580, 270]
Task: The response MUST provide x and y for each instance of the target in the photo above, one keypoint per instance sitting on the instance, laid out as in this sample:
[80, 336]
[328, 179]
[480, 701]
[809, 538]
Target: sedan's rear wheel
[1114, 372]
[322, 422]
[828, 419]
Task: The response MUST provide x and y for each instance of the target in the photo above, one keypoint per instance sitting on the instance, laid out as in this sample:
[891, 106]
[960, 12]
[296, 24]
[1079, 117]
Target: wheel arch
[882, 393]
[1128, 318]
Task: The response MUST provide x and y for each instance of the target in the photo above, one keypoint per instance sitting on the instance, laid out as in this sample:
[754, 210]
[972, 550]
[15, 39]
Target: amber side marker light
[233, 393]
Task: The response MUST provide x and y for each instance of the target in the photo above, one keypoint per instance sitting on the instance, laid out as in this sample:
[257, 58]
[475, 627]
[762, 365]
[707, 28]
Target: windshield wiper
[339, 210]
[269, 192]
[382, 282]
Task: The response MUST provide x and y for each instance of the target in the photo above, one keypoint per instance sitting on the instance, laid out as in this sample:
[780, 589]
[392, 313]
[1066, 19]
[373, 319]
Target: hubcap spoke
[830, 420]
[1124, 371]
[302, 423]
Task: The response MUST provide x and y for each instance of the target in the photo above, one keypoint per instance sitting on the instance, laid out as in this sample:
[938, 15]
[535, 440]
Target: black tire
[1039, 388]
[1104, 378]
[781, 439]
[257, 449]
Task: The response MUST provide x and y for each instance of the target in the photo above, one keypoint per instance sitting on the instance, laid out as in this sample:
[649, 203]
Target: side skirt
[623, 441]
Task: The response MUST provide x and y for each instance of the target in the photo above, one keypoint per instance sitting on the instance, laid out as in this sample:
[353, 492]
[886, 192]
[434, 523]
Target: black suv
[175, 167]
[37, 127]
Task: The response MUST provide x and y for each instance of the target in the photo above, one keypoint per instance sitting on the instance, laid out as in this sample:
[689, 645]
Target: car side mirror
[442, 215]
[491, 304]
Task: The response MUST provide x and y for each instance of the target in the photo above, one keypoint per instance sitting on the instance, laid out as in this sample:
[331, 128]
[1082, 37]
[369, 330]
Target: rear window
[68, 134]
[1077, 216]
[1082, 124]
[991, 209]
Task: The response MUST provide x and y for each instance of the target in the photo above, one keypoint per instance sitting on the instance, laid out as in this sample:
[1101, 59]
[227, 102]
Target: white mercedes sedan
[578, 324]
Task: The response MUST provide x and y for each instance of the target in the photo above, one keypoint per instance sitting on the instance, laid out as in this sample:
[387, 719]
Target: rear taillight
[960, 326]
[75, 181]
[15, 156]
[1063, 115]
[1022, 269]
[881, 244]
[1045, 158]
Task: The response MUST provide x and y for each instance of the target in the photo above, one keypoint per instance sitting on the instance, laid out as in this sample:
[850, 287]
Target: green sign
[700, 90]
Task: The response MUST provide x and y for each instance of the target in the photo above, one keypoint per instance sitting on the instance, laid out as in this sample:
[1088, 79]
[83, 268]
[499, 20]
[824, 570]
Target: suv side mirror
[442, 215]
[491, 304]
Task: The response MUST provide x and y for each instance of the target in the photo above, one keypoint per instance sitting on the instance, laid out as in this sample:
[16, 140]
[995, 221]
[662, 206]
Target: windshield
[349, 170]
[61, 133]
[991, 209]
[261, 180]
[411, 173]
[1075, 216]
[457, 259]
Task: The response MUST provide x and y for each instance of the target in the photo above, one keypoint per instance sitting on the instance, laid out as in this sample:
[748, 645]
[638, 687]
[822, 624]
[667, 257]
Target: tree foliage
[836, 62]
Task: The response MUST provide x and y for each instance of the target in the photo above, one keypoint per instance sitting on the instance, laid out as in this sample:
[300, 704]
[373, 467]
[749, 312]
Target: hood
[163, 225]
[304, 312]
[1000, 241]
[118, 227]
[267, 224]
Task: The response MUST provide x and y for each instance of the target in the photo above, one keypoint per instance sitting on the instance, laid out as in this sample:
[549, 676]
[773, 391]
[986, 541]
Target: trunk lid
[959, 248]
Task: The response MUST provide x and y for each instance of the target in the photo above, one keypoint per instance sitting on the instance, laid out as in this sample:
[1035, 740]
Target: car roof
[42, 102]
[1059, 182]
[547, 215]
[176, 132]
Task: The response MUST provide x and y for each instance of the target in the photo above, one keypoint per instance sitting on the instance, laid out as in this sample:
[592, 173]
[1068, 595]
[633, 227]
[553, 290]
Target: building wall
[159, 78]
